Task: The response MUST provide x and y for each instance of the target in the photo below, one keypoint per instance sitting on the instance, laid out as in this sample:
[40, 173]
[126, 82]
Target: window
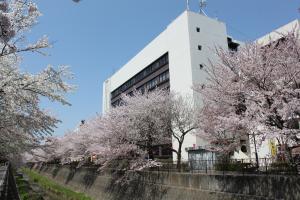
[199, 47]
[201, 66]
[243, 146]
[198, 29]
[163, 77]
[162, 61]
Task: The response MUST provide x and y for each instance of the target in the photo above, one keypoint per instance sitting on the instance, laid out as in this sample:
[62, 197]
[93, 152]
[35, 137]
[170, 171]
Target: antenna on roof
[202, 5]
[188, 5]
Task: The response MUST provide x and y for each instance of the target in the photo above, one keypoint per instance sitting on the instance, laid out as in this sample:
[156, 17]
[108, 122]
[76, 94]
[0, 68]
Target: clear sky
[97, 37]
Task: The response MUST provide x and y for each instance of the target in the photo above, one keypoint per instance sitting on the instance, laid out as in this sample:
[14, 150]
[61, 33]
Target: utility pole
[256, 155]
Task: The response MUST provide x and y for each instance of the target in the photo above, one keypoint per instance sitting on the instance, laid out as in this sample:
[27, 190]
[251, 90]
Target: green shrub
[282, 167]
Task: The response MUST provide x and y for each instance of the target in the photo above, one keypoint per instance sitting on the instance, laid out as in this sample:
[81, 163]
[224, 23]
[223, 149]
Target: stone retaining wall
[173, 186]
[8, 187]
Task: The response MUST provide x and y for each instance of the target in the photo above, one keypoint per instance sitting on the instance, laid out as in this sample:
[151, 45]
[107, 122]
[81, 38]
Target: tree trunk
[288, 154]
[179, 158]
[150, 153]
[150, 147]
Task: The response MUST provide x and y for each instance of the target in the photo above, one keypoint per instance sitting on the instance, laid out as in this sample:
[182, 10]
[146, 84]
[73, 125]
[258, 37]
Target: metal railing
[229, 166]
[222, 166]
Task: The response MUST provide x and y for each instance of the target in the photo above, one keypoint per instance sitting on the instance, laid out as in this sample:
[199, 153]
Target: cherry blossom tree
[17, 18]
[147, 116]
[150, 119]
[74, 146]
[182, 120]
[253, 91]
[84, 141]
[126, 132]
[131, 130]
[22, 122]
[134, 127]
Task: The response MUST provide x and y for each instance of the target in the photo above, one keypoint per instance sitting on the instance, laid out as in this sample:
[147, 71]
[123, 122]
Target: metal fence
[229, 166]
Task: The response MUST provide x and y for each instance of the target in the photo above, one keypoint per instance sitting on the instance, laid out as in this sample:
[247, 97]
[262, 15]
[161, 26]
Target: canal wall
[8, 187]
[173, 186]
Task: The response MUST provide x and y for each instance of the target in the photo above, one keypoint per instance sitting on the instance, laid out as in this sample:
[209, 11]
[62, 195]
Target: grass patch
[53, 187]
[25, 191]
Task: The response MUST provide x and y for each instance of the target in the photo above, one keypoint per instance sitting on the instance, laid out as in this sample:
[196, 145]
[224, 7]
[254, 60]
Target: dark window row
[160, 62]
[116, 103]
[163, 77]
[156, 81]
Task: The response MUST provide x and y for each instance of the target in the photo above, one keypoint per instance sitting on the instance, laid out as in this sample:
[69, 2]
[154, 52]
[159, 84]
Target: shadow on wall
[273, 186]
[132, 185]
[70, 175]
[55, 171]
[118, 185]
[89, 177]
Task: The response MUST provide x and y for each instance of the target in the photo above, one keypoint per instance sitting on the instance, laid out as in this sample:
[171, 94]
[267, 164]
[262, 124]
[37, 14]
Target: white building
[175, 59]
[278, 33]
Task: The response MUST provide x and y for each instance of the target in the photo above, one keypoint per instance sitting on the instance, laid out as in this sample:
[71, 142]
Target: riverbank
[33, 186]
[154, 185]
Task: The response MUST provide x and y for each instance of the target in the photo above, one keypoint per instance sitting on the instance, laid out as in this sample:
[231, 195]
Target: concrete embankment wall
[175, 186]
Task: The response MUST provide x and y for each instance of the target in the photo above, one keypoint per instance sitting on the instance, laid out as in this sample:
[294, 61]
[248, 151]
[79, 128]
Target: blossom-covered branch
[22, 122]
[255, 90]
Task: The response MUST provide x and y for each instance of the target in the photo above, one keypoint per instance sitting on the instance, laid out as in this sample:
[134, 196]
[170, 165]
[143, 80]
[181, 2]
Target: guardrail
[8, 187]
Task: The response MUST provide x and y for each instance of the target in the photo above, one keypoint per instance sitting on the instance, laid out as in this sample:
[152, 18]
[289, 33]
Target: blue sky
[97, 37]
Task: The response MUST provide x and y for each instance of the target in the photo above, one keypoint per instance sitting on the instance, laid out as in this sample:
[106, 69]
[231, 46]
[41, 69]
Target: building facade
[174, 60]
